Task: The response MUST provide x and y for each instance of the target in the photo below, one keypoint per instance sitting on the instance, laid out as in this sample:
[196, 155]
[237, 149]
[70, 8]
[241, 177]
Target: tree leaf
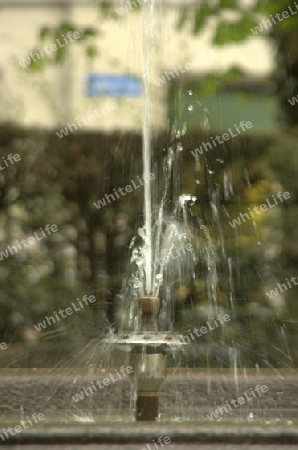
[89, 32]
[208, 84]
[234, 31]
[202, 14]
[59, 55]
[233, 74]
[182, 18]
[44, 33]
[228, 4]
[38, 64]
[65, 27]
[91, 51]
[105, 5]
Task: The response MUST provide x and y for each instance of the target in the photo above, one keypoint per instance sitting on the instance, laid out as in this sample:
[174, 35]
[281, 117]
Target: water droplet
[190, 108]
[179, 147]
[141, 232]
[189, 92]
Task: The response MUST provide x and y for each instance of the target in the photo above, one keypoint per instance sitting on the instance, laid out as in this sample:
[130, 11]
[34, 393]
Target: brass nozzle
[150, 365]
[149, 305]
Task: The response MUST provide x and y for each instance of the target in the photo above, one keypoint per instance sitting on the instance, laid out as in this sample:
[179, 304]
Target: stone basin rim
[140, 433]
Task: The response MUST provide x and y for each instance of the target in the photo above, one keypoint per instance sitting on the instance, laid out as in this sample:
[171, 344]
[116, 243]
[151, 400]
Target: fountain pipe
[149, 363]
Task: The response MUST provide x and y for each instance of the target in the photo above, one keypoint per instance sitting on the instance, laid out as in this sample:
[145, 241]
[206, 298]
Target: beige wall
[58, 94]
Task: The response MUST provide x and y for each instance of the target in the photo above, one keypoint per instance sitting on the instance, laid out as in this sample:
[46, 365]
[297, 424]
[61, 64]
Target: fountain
[148, 346]
[151, 339]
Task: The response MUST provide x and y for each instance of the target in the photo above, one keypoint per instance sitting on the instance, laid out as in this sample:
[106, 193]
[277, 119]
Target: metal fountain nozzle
[148, 349]
[149, 363]
[149, 307]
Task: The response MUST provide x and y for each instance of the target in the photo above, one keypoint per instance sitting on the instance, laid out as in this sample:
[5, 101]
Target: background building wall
[58, 94]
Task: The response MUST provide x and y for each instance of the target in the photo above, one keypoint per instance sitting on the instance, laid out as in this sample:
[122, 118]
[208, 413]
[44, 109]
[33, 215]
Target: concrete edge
[139, 433]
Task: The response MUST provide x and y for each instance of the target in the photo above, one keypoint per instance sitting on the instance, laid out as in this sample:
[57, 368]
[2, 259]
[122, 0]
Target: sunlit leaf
[91, 51]
[202, 14]
[38, 64]
[231, 31]
[66, 27]
[44, 33]
[59, 55]
[105, 5]
[209, 84]
[233, 74]
[182, 18]
[89, 32]
[228, 4]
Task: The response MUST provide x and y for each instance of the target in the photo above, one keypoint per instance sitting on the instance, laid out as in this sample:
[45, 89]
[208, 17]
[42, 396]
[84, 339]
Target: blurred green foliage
[57, 181]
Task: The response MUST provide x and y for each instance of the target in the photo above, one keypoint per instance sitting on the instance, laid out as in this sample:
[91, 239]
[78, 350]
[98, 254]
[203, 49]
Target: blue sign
[113, 85]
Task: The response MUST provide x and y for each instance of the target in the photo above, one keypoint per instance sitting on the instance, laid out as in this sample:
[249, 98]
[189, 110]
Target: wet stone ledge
[186, 395]
[137, 435]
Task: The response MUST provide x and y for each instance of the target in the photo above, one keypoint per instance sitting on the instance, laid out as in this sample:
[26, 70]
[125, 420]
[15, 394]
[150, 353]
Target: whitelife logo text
[293, 101]
[89, 390]
[205, 55]
[221, 139]
[31, 240]
[19, 428]
[64, 313]
[16, 157]
[203, 330]
[240, 401]
[282, 287]
[53, 48]
[263, 208]
[129, 188]
[103, 111]
[280, 16]
[129, 6]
